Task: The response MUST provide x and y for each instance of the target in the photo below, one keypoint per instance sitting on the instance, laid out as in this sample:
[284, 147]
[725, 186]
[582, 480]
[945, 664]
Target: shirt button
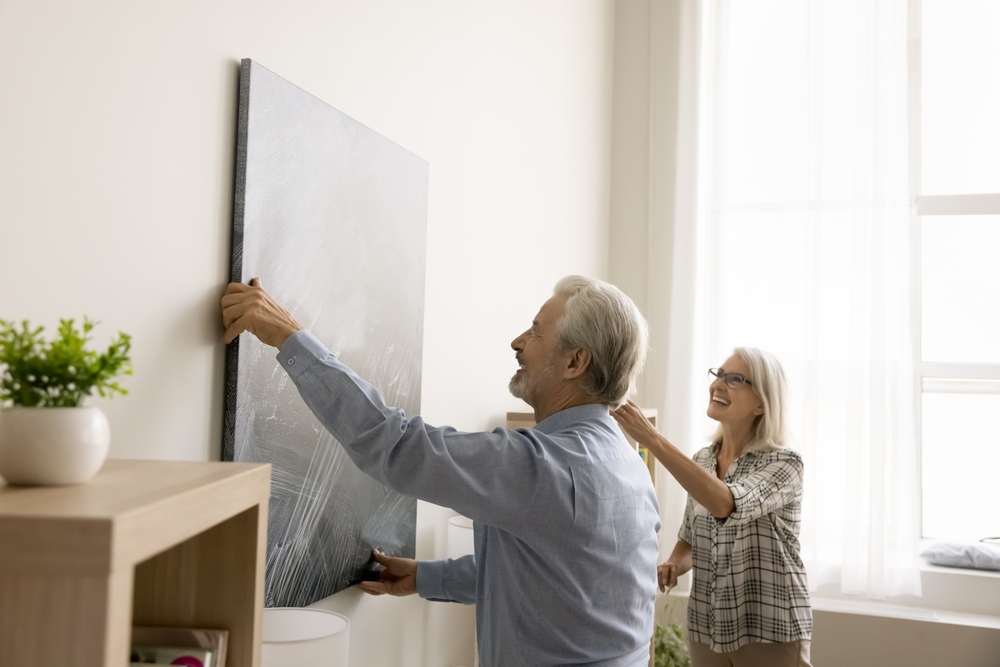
[291, 361]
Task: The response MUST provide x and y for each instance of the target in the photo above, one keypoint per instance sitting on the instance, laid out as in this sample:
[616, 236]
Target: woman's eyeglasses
[732, 380]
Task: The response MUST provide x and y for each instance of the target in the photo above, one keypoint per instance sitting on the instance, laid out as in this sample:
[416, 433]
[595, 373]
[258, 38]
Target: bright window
[958, 205]
[850, 206]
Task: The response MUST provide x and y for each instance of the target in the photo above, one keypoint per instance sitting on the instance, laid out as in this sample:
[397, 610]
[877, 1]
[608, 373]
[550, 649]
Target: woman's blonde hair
[767, 379]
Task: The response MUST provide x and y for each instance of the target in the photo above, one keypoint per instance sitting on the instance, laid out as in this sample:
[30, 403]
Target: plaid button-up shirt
[749, 584]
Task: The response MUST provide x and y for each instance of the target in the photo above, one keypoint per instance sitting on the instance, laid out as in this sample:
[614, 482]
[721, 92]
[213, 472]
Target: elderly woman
[749, 601]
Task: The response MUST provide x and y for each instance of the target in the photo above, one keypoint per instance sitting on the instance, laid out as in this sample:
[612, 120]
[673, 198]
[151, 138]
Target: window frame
[927, 206]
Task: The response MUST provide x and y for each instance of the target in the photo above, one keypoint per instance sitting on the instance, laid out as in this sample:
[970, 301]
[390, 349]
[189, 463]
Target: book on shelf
[171, 655]
[189, 647]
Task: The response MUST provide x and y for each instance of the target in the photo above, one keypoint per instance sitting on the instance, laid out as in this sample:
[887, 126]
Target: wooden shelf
[155, 543]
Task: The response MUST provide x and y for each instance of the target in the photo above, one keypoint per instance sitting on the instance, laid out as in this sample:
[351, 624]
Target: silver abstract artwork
[331, 216]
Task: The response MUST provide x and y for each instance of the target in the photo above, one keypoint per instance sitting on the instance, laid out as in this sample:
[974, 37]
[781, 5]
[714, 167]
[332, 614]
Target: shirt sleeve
[686, 532]
[449, 580]
[489, 477]
[775, 485]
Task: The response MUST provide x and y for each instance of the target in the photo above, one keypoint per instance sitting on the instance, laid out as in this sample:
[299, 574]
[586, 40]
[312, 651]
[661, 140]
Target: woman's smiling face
[733, 405]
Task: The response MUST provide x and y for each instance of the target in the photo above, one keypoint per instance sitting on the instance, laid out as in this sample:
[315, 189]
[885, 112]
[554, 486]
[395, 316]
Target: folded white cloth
[974, 555]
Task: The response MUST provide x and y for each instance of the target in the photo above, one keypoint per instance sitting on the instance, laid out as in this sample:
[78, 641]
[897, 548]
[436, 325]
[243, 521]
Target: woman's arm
[678, 564]
[710, 491]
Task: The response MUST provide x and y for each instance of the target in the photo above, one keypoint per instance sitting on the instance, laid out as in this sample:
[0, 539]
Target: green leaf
[669, 648]
[61, 373]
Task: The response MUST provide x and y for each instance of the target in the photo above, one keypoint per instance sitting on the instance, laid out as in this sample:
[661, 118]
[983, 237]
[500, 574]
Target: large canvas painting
[331, 216]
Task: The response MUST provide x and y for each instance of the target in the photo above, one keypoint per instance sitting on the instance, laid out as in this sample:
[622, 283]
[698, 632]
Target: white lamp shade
[296, 637]
[460, 542]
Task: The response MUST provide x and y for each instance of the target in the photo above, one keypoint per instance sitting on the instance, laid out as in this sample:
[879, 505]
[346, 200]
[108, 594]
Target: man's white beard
[518, 387]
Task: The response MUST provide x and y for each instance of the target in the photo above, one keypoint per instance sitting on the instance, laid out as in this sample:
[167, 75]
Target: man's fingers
[255, 283]
[381, 558]
[236, 288]
[232, 313]
[234, 330]
[232, 298]
[373, 587]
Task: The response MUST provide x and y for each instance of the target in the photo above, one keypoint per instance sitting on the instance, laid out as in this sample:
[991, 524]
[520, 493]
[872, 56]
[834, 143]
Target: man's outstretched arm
[489, 477]
[449, 580]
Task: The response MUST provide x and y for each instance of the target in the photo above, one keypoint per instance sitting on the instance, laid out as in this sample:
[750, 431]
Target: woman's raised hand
[629, 416]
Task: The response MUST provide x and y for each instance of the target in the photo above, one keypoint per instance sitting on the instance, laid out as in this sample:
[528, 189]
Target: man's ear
[578, 363]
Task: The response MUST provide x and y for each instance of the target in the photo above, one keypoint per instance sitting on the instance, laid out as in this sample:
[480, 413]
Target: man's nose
[517, 344]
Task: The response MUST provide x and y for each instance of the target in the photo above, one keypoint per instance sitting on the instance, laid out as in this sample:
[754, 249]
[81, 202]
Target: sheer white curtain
[792, 234]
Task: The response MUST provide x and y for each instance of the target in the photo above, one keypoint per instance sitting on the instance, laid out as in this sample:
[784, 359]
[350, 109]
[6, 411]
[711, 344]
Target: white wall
[117, 128]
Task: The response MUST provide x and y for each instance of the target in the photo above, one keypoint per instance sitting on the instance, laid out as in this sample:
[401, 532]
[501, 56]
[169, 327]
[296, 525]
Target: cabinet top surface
[124, 487]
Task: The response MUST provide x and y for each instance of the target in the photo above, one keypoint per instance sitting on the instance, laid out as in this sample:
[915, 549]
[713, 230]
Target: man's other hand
[250, 308]
[398, 578]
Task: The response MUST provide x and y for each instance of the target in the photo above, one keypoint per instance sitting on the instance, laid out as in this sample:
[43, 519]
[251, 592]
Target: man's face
[537, 351]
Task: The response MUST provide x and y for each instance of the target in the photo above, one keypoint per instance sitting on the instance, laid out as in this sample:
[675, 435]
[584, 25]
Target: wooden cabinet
[155, 543]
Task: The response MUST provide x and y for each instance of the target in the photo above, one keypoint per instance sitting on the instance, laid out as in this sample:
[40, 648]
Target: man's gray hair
[600, 318]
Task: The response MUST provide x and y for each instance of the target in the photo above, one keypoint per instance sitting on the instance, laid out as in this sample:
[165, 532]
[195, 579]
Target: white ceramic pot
[47, 446]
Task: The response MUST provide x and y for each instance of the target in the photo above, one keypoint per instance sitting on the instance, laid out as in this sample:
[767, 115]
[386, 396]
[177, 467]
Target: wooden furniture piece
[153, 543]
[527, 420]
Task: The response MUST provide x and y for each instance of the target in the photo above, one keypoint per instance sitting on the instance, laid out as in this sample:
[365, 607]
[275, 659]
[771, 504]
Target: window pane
[961, 454]
[960, 288]
[961, 99]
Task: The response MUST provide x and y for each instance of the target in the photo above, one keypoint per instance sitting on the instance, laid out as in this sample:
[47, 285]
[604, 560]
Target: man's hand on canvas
[250, 308]
[398, 578]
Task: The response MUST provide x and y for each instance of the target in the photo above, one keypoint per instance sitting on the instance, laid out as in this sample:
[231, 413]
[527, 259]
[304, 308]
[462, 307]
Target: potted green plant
[669, 649]
[47, 435]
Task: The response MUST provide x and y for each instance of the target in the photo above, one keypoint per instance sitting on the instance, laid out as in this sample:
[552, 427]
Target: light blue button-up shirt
[565, 517]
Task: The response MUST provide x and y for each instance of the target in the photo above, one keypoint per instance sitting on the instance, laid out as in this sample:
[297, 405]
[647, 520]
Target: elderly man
[565, 517]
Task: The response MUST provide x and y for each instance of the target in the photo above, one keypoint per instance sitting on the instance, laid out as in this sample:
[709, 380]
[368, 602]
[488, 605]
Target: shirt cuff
[743, 505]
[430, 579]
[300, 351]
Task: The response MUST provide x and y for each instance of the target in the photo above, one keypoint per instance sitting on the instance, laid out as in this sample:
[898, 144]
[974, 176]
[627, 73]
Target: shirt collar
[561, 420]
